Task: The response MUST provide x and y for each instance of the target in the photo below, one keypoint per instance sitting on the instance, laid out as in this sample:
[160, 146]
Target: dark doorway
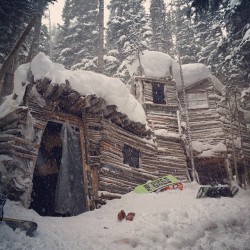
[46, 170]
[58, 185]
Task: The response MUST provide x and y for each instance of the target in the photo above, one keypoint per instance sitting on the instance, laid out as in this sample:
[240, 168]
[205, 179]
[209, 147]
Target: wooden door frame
[75, 121]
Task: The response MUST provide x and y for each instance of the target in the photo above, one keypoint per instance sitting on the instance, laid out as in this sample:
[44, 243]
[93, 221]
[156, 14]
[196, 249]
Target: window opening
[197, 100]
[158, 93]
[131, 156]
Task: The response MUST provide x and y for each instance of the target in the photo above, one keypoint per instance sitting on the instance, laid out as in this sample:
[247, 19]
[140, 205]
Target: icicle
[28, 130]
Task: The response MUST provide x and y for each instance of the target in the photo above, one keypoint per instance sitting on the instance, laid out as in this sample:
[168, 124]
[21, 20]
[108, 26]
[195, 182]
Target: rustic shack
[219, 137]
[66, 135]
[220, 140]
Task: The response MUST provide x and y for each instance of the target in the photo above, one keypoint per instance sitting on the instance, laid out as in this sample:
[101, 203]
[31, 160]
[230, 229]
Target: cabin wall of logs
[205, 123]
[104, 133]
[211, 126]
[171, 156]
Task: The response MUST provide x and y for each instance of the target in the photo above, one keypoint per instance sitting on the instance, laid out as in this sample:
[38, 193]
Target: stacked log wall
[205, 123]
[115, 176]
[18, 155]
[171, 158]
[238, 130]
[212, 125]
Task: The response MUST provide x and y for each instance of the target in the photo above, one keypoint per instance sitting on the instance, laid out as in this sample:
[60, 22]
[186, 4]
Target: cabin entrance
[211, 172]
[58, 184]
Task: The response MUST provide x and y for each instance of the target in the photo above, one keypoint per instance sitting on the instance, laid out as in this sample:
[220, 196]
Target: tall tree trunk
[4, 89]
[35, 41]
[232, 139]
[40, 4]
[8, 79]
[101, 37]
[50, 40]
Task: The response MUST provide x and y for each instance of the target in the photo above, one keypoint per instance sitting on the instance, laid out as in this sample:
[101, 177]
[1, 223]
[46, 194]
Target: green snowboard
[157, 184]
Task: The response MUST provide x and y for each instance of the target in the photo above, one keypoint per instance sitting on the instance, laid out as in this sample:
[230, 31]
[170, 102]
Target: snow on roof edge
[112, 90]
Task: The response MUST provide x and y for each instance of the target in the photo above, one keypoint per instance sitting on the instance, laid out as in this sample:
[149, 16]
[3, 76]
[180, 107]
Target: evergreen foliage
[128, 33]
[14, 16]
[78, 36]
[161, 27]
[226, 42]
[44, 40]
[185, 34]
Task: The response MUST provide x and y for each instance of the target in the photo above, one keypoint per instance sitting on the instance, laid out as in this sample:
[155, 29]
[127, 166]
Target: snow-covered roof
[156, 64]
[112, 90]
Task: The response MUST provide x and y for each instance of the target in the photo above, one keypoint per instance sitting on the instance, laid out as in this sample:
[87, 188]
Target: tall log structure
[162, 118]
[219, 134]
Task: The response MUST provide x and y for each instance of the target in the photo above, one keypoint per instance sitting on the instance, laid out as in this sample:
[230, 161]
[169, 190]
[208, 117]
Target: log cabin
[217, 127]
[62, 142]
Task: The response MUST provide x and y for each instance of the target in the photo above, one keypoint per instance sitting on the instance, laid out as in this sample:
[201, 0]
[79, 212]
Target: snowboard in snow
[157, 185]
[217, 191]
[24, 225]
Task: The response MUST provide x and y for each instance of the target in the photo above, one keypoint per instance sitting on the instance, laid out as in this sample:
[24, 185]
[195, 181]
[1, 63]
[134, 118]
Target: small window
[197, 100]
[158, 93]
[131, 156]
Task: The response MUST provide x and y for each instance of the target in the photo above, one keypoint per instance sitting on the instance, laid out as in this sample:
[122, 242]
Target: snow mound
[13, 101]
[208, 150]
[168, 220]
[155, 64]
[166, 133]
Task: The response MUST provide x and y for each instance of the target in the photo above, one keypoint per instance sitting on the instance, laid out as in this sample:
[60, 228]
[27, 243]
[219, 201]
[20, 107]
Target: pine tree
[128, 32]
[161, 27]
[15, 15]
[44, 40]
[236, 44]
[184, 30]
[229, 57]
[78, 36]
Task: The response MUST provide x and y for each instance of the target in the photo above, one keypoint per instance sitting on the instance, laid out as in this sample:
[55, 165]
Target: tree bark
[101, 37]
[15, 48]
[35, 41]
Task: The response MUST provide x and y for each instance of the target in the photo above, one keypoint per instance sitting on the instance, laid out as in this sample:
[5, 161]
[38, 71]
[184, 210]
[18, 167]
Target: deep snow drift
[168, 220]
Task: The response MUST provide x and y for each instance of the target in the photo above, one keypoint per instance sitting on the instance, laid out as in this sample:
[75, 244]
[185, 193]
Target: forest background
[213, 32]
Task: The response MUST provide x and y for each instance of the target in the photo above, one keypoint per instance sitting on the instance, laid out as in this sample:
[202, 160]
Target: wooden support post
[232, 140]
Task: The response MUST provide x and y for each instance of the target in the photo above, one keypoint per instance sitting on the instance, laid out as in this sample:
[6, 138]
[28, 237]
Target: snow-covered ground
[168, 220]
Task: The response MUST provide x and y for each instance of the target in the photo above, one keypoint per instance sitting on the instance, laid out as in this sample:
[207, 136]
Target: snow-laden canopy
[112, 90]
[158, 65]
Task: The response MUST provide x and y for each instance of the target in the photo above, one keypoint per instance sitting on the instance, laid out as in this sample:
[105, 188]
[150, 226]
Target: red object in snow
[174, 186]
[130, 216]
[121, 215]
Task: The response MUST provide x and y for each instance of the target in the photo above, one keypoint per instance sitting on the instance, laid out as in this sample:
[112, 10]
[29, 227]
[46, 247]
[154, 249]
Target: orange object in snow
[121, 215]
[130, 216]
